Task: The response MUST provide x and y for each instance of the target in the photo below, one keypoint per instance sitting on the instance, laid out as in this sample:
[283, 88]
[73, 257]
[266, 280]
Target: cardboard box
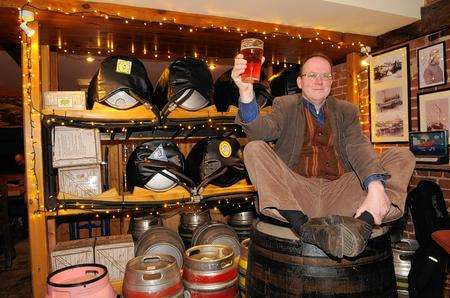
[80, 182]
[74, 146]
[72, 252]
[114, 252]
[65, 100]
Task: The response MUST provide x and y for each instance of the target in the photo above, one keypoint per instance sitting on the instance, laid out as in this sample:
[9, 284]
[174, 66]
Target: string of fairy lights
[27, 86]
[316, 36]
[127, 19]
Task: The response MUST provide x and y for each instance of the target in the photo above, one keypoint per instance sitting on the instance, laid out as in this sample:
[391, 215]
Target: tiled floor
[16, 281]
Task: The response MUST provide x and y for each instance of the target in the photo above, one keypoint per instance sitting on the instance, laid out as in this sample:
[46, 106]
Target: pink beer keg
[80, 281]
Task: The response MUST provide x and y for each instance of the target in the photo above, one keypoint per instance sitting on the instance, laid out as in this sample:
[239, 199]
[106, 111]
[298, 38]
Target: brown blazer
[286, 126]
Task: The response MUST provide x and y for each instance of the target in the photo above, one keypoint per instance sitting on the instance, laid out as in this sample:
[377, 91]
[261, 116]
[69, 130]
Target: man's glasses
[315, 75]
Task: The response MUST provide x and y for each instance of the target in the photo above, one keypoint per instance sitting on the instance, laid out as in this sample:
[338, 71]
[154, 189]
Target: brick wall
[339, 87]
[339, 90]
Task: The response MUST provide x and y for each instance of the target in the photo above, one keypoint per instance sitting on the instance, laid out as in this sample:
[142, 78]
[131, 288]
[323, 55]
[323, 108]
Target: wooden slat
[180, 114]
[32, 133]
[104, 113]
[239, 187]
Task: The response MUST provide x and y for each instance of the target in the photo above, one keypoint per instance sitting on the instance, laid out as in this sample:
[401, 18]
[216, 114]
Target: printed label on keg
[225, 149]
[123, 66]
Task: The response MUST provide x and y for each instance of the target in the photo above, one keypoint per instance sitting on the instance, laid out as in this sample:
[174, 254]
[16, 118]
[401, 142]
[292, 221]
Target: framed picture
[434, 109]
[389, 96]
[431, 65]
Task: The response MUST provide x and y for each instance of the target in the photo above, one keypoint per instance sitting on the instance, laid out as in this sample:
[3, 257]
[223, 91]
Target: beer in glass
[252, 49]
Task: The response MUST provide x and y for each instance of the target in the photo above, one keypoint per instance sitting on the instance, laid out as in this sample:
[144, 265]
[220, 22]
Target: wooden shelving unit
[102, 113]
[149, 197]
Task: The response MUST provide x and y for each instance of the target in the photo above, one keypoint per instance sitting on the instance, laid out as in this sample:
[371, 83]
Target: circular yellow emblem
[225, 149]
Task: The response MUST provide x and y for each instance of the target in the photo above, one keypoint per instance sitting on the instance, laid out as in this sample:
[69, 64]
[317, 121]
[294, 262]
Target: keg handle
[91, 272]
[226, 264]
[151, 275]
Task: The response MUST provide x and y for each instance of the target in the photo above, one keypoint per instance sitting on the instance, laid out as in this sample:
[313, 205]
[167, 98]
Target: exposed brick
[435, 173]
[422, 173]
[444, 183]
[446, 193]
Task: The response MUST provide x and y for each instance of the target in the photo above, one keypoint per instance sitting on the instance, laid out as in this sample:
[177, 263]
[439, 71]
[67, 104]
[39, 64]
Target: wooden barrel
[243, 267]
[161, 240]
[210, 271]
[217, 233]
[139, 225]
[241, 222]
[280, 266]
[152, 277]
[189, 221]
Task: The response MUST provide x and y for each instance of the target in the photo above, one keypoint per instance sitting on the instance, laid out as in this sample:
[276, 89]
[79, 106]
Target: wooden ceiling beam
[189, 19]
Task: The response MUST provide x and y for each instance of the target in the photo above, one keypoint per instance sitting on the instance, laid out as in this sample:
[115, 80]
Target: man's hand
[376, 203]
[245, 89]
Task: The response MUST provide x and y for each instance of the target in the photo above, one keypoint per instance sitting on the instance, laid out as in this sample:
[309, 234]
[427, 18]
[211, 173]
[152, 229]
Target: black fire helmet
[285, 82]
[215, 160]
[157, 165]
[187, 83]
[122, 83]
[226, 92]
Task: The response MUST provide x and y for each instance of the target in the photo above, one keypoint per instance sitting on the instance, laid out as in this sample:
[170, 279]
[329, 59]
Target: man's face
[318, 88]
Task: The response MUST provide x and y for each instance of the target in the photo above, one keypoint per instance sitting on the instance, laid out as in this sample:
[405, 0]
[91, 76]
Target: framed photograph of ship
[431, 65]
[434, 109]
[389, 96]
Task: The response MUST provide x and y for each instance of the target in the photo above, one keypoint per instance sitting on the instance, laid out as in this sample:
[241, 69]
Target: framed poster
[434, 109]
[389, 96]
[431, 65]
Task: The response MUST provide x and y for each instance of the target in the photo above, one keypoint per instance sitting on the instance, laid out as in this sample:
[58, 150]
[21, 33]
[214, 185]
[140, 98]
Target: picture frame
[389, 93]
[431, 65]
[434, 110]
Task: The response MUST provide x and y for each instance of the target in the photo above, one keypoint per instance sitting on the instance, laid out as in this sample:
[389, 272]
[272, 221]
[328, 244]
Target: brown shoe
[337, 235]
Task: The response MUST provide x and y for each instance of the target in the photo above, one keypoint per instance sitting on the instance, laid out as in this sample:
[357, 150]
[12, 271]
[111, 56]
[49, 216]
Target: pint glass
[252, 49]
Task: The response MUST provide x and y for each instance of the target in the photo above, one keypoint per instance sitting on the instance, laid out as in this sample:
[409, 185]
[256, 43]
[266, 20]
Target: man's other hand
[376, 203]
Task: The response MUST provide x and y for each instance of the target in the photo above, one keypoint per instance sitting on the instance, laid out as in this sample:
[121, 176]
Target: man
[324, 177]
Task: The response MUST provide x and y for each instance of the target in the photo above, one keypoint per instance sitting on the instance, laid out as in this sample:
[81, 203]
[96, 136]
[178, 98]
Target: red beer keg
[210, 271]
[152, 277]
[80, 281]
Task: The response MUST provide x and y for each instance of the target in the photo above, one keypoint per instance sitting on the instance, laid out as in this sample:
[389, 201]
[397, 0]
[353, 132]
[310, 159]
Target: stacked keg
[139, 225]
[152, 276]
[189, 221]
[161, 241]
[402, 252]
[210, 271]
[217, 233]
[241, 222]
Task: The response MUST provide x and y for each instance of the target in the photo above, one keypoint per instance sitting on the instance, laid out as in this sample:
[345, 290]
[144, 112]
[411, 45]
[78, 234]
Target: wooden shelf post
[33, 158]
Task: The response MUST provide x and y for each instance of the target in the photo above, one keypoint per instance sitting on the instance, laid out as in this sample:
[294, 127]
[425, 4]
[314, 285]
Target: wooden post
[49, 81]
[33, 160]
[353, 69]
